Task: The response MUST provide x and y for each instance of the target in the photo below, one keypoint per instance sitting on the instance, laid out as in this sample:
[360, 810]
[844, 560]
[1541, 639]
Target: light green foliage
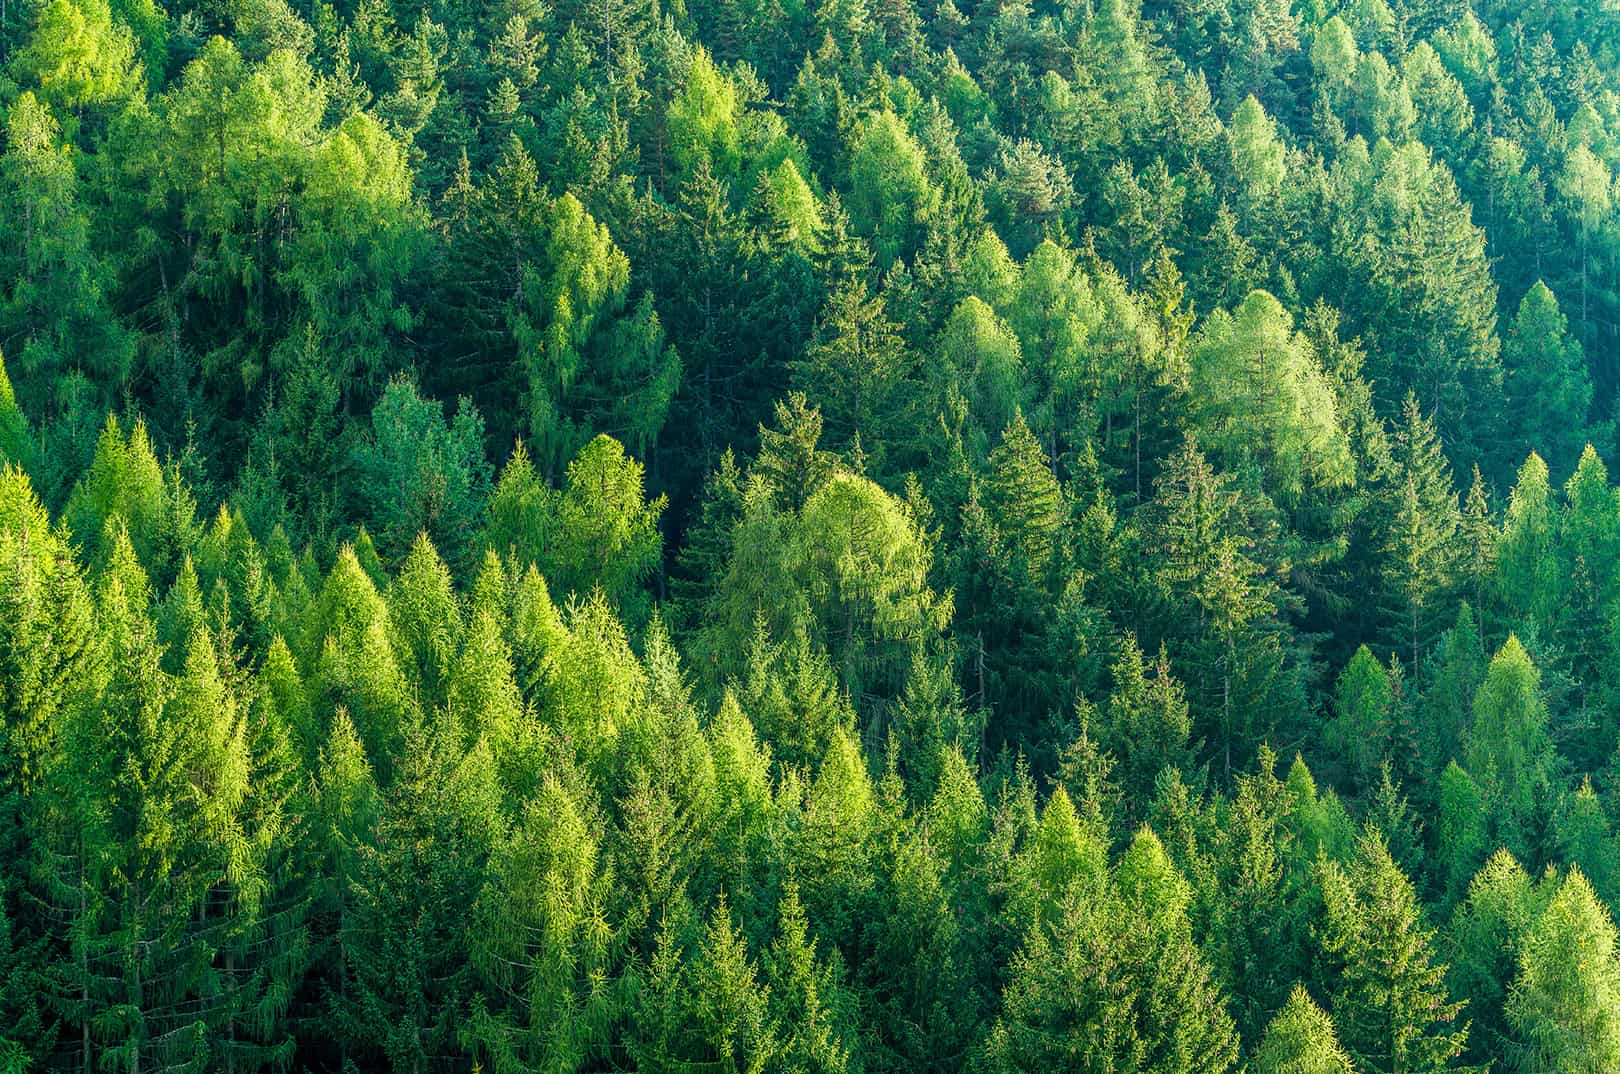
[861, 558]
[1586, 842]
[1054, 314]
[891, 196]
[1586, 183]
[1461, 829]
[1258, 158]
[345, 643]
[979, 356]
[426, 618]
[1589, 546]
[790, 691]
[125, 481]
[1526, 568]
[1300, 1040]
[1147, 724]
[787, 200]
[48, 652]
[703, 121]
[1548, 391]
[1025, 502]
[1364, 709]
[1486, 935]
[1422, 296]
[1389, 998]
[850, 569]
[77, 56]
[1262, 395]
[1508, 745]
[1565, 1005]
[946, 447]
[16, 441]
[1098, 985]
[1334, 56]
[605, 531]
[1420, 543]
[543, 949]
[574, 311]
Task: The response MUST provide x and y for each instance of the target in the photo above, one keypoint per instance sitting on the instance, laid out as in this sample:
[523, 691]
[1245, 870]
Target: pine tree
[346, 804]
[1364, 701]
[426, 618]
[1064, 854]
[745, 813]
[1025, 502]
[1099, 988]
[1589, 550]
[419, 473]
[267, 945]
[1586, 184]
[1455, 672]
[522, 511]
[483, 703]
[729, 1006]
[1259, 934]
[702, 121]
[891, 195]
[345, 643]
[1237, 679]
[607, 531]
[1258, 156]
[1462, 826]
[790, 691]
[932, 724]
[977, 355]
[789, 460]
[1421, 294]
[405, 971]
[856, 363]
[48, 654]
[176, 778]
[1586, 841]
[1260, 395]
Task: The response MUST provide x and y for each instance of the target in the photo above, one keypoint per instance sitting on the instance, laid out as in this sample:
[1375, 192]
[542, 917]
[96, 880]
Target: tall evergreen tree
[1389, 997]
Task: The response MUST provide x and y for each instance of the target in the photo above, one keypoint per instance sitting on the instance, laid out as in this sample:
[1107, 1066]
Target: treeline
[852, 536]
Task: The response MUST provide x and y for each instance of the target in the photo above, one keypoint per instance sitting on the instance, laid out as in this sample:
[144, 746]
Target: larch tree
[1301, 1040]
[1565, 1006]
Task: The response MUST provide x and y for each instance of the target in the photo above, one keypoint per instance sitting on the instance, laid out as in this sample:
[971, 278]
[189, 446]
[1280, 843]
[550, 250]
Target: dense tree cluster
[809, 538]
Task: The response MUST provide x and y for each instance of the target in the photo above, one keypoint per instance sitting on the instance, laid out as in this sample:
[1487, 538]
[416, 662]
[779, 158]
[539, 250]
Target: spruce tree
[1549, 392]
[1380, 968]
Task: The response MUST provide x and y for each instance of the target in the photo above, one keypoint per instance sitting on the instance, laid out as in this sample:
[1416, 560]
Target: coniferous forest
[809, 536]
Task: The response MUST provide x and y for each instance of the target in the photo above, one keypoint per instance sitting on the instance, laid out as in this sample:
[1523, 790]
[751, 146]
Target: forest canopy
[809, 536]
